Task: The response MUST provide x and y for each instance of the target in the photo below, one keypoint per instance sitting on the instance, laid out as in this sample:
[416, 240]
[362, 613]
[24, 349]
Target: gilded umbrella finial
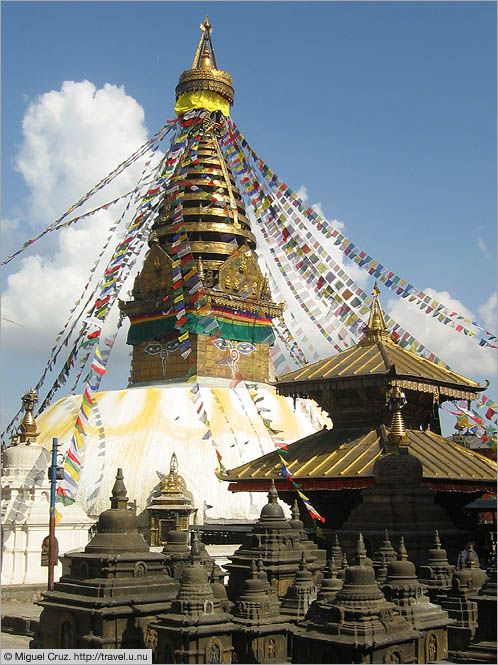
[204, 79]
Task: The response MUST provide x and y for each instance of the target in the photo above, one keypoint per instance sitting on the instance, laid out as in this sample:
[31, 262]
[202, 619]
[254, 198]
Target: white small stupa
[25, 507]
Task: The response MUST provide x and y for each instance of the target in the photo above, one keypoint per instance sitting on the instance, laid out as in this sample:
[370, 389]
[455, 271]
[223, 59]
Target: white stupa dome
[139, 428]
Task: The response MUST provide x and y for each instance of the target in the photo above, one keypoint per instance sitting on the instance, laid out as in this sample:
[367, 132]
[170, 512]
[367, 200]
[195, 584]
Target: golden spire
[28, 432]
[397, 400]
[205, 77]
[376, 329]
[205, 41]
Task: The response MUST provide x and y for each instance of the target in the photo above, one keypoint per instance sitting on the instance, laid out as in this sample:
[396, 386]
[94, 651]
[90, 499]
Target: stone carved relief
[84, 570]
[431, 648]
[271, 649]
[242, 275]
[392, 656]
[67, 632]
[150, 639]
[140, 569]
[214, 651]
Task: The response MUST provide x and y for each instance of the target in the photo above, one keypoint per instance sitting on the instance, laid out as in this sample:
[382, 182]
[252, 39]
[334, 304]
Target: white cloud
[462, 353]
[9, 225]
[72, 138]
[10, 234]
[488, 312]
[482, 246]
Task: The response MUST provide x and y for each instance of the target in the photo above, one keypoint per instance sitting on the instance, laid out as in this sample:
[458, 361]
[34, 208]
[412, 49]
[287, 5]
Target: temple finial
[376, 328]
[204, 56]
[295, 510]
[402, 553]
[396, 400]
[272, 494]
[28, 432]
[173, 465]
[119, 500]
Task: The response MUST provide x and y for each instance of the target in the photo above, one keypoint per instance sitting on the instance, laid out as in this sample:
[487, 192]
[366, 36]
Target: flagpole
[51, 527]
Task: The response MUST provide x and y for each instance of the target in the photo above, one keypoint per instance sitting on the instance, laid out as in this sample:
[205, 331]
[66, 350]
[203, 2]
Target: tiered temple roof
[352, 387]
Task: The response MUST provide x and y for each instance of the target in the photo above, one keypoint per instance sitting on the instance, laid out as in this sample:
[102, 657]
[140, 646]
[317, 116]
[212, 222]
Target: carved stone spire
[361, 558]
[117, 528]
[119, 500]
[383, 557]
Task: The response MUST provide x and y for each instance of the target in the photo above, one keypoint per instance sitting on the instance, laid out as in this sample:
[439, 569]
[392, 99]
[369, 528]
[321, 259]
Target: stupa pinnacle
[217, 230]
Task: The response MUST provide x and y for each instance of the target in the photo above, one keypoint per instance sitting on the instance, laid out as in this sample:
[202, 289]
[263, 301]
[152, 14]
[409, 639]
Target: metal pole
[51, 527]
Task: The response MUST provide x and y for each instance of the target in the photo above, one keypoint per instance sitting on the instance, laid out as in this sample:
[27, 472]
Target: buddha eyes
[241, 347]
[222, 344]
[153, 348]
[245, 347]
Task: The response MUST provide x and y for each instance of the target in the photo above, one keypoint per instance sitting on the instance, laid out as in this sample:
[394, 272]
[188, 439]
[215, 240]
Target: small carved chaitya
[197, 629]
[403, 588]
[171, 510]
[112, 589]
[279, 546]
[261, 630]
[357, 625]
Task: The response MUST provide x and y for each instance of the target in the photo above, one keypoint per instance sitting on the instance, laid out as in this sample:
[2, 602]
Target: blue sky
[384, 111]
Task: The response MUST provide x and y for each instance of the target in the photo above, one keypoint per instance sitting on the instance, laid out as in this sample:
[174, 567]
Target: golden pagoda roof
[377, 355]
[327, 456]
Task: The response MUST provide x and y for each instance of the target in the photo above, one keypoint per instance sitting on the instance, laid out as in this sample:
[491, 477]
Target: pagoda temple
[333, 466]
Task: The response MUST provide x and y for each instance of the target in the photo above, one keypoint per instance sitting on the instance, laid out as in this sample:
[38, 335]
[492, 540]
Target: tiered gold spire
[376, 329]
[222, 246]
[28, 432]
[397, 432]
[211, 227]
